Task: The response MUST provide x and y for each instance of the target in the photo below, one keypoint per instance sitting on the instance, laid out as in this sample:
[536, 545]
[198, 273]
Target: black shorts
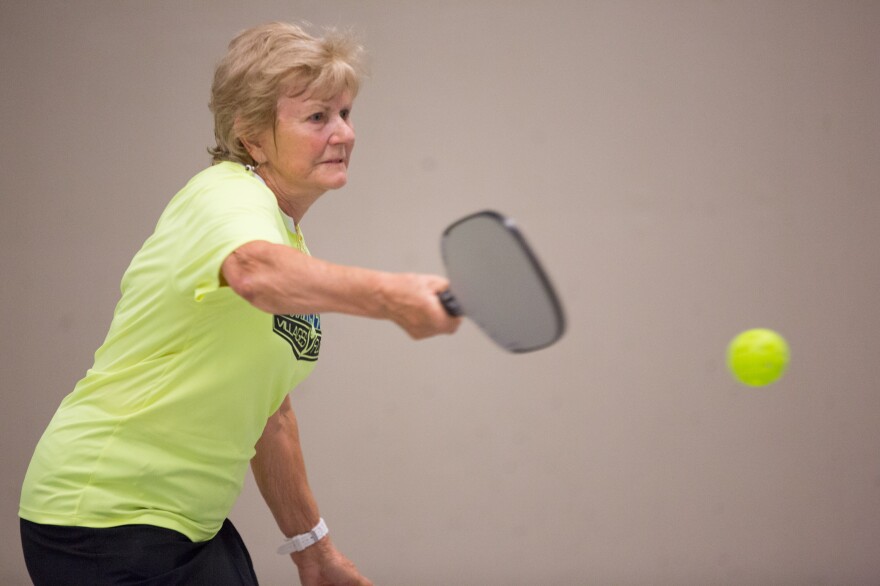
[133, 554]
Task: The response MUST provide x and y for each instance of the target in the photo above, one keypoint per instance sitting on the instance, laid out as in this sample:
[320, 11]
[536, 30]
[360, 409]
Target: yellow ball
[758, 357]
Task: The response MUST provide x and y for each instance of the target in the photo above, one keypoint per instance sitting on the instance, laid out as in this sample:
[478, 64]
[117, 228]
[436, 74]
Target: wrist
[382, 296]
[303, 541]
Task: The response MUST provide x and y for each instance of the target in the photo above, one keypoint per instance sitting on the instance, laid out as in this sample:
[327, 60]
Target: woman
[218, 320]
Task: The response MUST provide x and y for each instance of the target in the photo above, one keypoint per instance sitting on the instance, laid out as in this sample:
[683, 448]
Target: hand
[412, 303]
[323, 565]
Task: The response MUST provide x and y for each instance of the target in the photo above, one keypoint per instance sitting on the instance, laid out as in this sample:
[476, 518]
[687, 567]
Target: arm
[279, 279]
[280, 473]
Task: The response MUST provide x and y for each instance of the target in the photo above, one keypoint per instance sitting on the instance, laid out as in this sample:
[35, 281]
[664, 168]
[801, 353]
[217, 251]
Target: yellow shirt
[161, 429]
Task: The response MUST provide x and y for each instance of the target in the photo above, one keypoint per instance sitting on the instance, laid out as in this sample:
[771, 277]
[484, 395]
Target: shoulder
[225, 186]
[227, 177]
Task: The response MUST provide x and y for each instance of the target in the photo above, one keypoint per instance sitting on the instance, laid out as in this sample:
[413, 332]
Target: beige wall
[686, 169]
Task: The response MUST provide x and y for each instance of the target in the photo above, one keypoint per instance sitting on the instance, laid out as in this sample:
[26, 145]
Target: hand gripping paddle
[496, 280]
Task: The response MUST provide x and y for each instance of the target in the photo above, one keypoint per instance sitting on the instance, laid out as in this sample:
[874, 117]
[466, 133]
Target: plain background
[686, 169]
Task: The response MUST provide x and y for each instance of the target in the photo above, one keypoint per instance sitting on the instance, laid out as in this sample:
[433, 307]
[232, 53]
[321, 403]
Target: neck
[294, 205]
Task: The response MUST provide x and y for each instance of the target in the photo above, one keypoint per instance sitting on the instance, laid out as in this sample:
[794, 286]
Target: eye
[316, 117]
[345, 114]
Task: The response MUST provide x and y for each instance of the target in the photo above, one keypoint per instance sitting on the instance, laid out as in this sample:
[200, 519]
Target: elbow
[243, 269]
[245, 286]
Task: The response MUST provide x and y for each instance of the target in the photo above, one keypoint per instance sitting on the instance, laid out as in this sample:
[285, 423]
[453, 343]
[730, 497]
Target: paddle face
[496, 280]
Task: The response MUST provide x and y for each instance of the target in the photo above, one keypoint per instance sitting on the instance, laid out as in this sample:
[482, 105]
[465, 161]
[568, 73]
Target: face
[308, 150]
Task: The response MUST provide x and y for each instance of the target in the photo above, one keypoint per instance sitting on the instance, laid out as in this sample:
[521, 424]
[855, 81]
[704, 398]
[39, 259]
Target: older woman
[219, 318]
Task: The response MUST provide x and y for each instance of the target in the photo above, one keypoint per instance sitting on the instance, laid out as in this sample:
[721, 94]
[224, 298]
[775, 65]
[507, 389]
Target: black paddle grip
[450, 303]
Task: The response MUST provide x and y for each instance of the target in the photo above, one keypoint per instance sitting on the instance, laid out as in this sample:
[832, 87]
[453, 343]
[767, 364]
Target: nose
[343, 132]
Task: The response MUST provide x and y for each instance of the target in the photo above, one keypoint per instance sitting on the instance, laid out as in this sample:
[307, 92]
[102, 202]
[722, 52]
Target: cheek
[315, 145]
[299, 155]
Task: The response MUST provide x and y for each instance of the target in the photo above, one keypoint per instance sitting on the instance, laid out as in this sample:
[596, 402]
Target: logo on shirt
[302, 332]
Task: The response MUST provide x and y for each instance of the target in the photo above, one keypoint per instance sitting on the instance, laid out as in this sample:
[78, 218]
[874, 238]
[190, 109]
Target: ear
[254, 150]
[253, 145]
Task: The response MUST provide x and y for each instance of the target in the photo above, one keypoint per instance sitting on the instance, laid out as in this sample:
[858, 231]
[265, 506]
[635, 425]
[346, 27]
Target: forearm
[280, 473]
[279, 279]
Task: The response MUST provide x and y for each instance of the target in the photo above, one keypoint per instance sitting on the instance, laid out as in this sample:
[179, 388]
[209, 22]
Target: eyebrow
[318, 101]
[315, 101]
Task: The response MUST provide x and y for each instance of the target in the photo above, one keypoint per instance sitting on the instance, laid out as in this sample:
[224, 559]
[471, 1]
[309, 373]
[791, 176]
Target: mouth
[333, 161]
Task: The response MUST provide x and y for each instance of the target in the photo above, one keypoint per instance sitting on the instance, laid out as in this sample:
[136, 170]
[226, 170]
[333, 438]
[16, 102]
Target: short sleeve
[212, 221]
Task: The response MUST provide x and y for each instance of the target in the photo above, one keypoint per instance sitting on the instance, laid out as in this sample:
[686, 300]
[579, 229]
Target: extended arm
[280, 473]
[279, 279]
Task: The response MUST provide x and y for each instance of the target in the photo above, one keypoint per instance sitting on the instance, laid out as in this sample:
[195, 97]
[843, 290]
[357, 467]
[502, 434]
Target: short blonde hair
[264, 61]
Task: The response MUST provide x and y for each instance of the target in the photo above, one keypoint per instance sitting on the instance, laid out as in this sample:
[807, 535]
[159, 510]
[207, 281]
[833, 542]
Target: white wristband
[304, 540]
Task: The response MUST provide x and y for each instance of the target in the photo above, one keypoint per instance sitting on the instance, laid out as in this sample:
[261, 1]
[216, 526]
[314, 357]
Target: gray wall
[687, 170]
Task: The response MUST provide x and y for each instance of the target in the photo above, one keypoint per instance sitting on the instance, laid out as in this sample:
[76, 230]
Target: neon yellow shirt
[161, 429]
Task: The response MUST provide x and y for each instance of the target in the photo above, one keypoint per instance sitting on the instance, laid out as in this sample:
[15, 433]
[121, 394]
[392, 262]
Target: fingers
[436, 319]
[325, 566]
[416, 307]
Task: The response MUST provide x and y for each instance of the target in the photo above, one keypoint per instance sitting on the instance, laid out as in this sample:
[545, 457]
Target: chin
[336, 184]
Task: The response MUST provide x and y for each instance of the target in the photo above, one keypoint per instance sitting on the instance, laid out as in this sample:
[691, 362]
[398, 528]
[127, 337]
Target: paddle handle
[450, 303]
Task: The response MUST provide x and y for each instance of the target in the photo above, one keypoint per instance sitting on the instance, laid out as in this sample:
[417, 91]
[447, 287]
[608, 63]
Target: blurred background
[685, 169]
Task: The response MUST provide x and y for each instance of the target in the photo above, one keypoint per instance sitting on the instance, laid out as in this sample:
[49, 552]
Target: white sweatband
[304, 540]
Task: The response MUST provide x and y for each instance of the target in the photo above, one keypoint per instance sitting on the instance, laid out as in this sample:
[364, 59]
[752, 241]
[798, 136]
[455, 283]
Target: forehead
[307, 101]
[322, 88]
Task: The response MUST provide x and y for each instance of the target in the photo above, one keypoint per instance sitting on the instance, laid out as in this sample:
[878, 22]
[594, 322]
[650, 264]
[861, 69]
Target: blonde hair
[264, 61]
